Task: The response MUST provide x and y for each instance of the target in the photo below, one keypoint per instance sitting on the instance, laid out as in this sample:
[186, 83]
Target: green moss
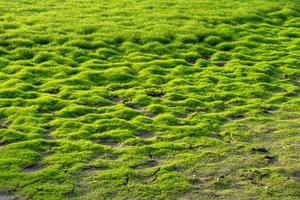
[11, 25]
[249, 18]
[88, 30]
[126, 114]
[142, 100]
[113, 135]
[156, 109]
[18, 42]
[10, 93]
[8, 136]
[83, 44]
[167, 119]
[43, 57]
[213, 40]
[3, 62]
[149, 100]
[188, 39]
[226, 46]
[105, 53]
[3, 51]
[191, 57]
[92, 100]
[48, 104]
[155, 48]
[75, 111]
[42, 40]
[24, 53]
[220, 56]
[205, 52]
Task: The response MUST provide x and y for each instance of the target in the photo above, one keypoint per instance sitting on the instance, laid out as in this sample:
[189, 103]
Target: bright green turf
[149, 99]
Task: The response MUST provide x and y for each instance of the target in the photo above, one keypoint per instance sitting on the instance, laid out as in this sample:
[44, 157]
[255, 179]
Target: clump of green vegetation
[24, 53]
[213, 40]
[149, 99]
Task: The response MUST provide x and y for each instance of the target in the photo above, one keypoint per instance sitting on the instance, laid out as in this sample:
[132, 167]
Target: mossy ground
[149, 99]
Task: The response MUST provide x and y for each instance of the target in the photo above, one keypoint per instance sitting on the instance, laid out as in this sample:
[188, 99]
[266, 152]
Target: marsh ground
[149, 99]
